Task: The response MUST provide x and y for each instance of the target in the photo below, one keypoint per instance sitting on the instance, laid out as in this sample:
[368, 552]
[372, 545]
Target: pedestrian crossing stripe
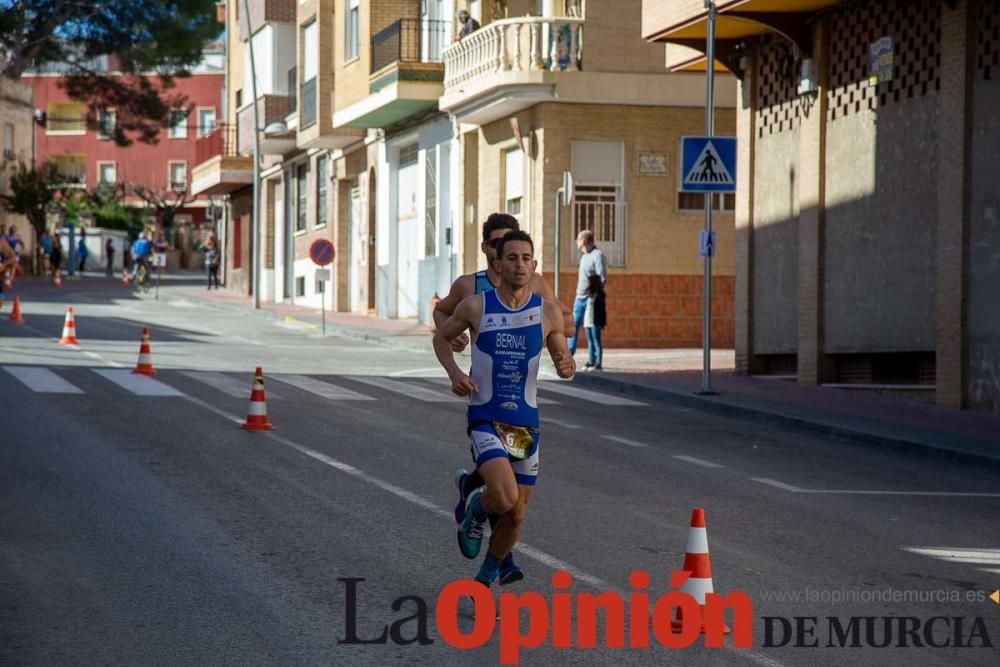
[45, 381]
[709, 168]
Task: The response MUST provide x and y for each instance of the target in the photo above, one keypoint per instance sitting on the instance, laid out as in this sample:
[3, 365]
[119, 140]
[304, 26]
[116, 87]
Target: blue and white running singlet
[483, 283]
[505, 360]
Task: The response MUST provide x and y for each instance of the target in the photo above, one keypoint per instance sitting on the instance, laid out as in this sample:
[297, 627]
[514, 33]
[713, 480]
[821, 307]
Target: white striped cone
[124, 276]
[698, 563]
[257, 412]
[57, 279]
[145, 364]
[69, 329]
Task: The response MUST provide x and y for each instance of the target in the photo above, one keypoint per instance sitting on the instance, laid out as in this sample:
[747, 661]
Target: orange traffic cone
[145, 364]
[15, 315]
[125, 277]
[697, 562]
[257, 414]
[69, 329]
[57, 280]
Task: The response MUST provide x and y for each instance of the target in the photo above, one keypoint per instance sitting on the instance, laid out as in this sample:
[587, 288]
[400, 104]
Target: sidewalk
[675, 375]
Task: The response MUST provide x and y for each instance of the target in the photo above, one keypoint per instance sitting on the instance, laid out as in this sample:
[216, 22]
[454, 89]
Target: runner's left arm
[565, 323]
[555, 341]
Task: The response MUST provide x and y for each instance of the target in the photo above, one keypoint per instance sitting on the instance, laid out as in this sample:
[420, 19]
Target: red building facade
[76, 138]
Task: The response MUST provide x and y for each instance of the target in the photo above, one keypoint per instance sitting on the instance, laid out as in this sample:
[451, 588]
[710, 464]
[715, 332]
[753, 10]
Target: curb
[780, 419]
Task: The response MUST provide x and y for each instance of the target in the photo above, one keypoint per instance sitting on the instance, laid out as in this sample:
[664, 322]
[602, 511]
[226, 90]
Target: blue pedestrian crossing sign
[708, 164]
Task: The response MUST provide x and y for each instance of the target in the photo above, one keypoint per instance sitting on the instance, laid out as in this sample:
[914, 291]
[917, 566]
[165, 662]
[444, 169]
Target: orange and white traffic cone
[697, 562]
[145, 364]
[257, 414]
[57, 279]
[15, 315]
[125, 277]
[69, 329]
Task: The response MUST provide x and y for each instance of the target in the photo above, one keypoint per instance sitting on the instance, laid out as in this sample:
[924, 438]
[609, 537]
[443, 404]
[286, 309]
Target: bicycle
[142, 278]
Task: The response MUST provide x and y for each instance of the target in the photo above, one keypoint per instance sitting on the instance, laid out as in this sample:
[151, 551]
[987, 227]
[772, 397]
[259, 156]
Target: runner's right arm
[464, 286]
[454, 326]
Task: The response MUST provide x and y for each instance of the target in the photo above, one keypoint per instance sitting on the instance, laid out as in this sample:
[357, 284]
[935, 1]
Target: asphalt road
[139, 525]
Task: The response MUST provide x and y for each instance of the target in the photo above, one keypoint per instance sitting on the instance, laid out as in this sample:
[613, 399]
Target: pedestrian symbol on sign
[708, 168]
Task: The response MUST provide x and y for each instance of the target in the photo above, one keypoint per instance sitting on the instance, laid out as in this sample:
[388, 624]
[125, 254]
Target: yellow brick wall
[618, 23]
[660, 238]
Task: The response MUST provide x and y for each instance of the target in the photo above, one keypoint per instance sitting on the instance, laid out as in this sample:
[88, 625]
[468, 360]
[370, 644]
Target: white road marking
[228, 384]
[140, 385]
[568, 389]
[94, 355]
[412, 390]
[697, 461]
[862, 492]
[446, 382]
[529, 551]
[321, 389]
[624, 441]
[557, 422]
[42, 380]
[436, 371]
[959, 555]
[778, 485]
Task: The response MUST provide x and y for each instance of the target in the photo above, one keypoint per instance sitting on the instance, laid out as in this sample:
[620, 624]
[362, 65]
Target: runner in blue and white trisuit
[510, 327]
[497, 225]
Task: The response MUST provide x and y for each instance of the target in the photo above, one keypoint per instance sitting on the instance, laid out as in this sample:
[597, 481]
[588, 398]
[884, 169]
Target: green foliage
[163, 37]
[33, 189]
[107, 205]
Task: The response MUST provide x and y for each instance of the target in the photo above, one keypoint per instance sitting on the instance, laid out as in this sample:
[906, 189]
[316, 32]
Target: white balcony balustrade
[526, 44]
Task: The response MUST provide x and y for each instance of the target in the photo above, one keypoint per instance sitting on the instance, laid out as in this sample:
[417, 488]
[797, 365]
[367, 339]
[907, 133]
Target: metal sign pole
[706, 373]
[558, 216]
[322, 303]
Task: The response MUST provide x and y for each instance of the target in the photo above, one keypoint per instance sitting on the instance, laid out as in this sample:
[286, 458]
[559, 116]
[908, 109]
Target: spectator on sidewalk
[469, 24]
[595, 318]
[591, 264]
[109, 254]
[56, 256]
[81, 250]
[213, 259]
[45, 250]
[126, 254]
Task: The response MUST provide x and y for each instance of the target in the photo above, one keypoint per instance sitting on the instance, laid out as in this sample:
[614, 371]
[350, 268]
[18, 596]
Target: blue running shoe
[460, 478]
[510, 573]
[470, 531]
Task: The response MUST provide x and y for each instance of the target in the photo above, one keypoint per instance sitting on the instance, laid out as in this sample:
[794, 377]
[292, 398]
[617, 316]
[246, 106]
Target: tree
[150, 41]
[166, 202]
[33, 189]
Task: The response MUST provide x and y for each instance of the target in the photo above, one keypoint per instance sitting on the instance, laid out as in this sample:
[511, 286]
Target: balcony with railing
[219, 167]
[509, 65]
[406, 73]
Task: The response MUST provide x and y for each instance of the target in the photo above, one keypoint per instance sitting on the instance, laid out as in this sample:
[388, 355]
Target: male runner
[497, 226]
[510, 326]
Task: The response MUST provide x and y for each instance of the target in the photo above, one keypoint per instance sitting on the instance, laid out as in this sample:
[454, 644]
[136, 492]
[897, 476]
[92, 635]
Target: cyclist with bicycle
[142, 249]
